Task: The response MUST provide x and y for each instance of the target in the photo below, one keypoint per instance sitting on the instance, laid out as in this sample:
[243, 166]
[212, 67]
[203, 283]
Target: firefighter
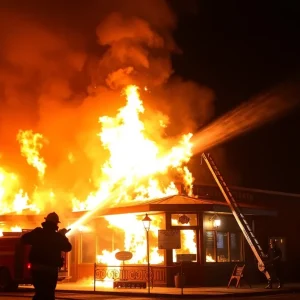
[45, 255]
[274, 264]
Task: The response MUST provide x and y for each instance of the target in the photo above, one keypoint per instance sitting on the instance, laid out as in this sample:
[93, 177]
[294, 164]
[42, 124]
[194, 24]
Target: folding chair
[238, 274]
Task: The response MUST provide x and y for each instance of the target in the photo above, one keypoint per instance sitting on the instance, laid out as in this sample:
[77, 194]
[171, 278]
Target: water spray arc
[246, 117]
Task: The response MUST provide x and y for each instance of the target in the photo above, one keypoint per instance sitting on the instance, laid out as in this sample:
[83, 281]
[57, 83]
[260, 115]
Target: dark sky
[240, 48]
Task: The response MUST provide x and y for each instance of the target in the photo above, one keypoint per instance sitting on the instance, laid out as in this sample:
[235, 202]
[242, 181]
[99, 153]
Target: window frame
[215, 250]
[184, 225]
[196, 230]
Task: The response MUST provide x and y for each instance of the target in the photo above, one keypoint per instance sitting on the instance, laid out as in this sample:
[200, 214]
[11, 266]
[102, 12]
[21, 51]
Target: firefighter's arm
[66, 246]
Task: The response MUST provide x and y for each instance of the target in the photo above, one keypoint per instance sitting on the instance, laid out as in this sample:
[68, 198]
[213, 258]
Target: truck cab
[15, 268]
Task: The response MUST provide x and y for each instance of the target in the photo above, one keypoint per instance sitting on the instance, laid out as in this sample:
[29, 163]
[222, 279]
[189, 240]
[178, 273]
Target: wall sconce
[216, 221]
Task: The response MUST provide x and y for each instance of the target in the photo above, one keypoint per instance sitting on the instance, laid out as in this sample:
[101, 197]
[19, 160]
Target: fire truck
[14, 264]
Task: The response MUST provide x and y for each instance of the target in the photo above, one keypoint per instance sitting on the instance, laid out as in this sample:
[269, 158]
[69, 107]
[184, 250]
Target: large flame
[141, 165]
[137, 163]
[12, 197]
[31, 144]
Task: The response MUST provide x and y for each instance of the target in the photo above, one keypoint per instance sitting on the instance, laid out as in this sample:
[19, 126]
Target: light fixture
[216, 221]
[147, 222]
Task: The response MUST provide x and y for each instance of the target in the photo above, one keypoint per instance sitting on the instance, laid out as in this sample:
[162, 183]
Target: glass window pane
[127, 233]
[222, 247]
[184, 219]
[210, 251]
[236, 249]
[188, 251]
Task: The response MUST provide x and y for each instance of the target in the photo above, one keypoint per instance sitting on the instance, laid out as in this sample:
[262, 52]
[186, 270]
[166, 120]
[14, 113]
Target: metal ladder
[240, 218]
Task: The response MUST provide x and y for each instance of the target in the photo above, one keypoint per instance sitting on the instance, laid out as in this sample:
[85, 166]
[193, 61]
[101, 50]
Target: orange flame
[137, 163]
[31, 144]
[142, 165]
[12, 197]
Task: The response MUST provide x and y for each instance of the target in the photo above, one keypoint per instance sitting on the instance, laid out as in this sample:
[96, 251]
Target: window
[184, 219]
[88, 248]
[210, 248]
[223, 246]
[188, 251]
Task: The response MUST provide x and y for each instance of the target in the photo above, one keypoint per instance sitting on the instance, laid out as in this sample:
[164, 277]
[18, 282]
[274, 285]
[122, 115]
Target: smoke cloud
[60, 69]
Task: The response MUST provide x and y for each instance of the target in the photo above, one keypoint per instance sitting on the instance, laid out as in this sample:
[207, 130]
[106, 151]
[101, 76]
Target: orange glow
[209, 258]
[31, 144]
[138, 168]
[141, 163]
[188, 240]
[6, 228]
[16, 229]
[12, 197]
[135, 240]
[136, 162]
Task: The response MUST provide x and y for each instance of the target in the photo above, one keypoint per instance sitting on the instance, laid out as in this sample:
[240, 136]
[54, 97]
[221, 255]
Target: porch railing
[131, 276]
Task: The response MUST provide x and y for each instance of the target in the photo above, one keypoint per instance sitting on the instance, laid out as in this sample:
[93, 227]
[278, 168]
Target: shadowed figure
[273, 265]
[45, 255]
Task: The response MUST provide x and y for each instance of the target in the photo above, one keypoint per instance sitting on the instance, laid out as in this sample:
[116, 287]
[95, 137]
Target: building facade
[206, 248]
[208, 252]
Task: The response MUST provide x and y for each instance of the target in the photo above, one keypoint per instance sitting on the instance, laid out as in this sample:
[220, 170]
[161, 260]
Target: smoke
[60, 69]
[136, 54]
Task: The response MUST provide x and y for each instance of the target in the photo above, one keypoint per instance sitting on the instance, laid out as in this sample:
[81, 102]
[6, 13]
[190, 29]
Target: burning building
[144, 173]
[103, 160]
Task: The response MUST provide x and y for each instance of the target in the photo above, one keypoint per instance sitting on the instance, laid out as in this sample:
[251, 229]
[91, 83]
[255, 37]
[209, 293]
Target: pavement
[170, 292]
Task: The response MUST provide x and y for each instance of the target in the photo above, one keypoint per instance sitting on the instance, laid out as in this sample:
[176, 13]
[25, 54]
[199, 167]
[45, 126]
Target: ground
[81, 296]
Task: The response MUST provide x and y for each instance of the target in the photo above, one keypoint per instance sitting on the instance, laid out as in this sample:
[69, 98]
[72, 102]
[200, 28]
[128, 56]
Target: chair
[238, 274]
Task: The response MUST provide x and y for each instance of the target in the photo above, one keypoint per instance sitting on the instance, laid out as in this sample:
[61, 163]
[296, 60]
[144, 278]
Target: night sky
[240, 48]
[236, 48]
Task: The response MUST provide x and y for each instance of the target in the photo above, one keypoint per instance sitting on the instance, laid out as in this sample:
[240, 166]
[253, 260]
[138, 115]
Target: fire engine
[14, 264]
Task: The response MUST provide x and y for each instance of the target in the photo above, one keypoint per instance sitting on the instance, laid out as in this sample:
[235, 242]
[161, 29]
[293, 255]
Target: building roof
[183, 203]
[175, 203]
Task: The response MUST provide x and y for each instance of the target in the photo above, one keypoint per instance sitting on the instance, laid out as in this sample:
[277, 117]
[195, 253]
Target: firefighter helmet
[53, 217]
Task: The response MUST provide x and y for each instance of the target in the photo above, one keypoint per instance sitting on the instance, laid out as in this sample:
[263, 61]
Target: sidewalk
[178, 292]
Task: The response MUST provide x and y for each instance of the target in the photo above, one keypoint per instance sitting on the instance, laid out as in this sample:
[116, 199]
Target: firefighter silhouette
[274, 265]
[47, 243]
